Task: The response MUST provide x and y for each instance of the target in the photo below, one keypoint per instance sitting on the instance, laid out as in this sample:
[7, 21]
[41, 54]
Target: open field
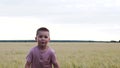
[70, 55]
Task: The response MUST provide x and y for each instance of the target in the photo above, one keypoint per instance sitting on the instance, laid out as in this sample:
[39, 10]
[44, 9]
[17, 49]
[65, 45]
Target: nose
[43, 38]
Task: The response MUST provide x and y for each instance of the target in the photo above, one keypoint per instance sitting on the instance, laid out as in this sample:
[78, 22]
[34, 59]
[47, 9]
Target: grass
[70, 55]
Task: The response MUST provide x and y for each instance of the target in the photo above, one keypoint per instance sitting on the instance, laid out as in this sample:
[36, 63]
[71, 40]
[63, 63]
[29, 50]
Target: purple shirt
[41, 59]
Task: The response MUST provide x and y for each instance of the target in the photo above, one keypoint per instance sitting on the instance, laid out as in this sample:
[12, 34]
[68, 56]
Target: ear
[35, 38]
[49, 39]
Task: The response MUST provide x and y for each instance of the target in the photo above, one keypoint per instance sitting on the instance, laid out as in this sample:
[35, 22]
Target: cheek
[38, 39]
[47, 40]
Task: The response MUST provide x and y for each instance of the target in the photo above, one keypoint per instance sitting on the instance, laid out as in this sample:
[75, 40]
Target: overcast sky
[66, 19]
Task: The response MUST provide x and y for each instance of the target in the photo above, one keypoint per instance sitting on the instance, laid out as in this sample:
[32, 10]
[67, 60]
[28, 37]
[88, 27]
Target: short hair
[42, 29]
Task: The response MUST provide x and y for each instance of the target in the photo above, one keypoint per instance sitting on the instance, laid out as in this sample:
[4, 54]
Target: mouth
[42, 42]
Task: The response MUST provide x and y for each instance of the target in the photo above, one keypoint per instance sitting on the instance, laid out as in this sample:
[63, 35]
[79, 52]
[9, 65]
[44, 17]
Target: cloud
[64, 11]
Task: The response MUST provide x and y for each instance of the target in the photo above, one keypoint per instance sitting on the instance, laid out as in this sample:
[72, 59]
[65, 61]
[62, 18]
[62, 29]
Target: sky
[66, 19]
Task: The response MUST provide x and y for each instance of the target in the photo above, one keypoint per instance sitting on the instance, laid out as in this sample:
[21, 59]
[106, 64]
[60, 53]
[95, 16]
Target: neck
[42, 47]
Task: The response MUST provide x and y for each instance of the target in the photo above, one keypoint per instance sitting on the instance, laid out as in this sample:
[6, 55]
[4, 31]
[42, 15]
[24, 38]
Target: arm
[27, 65]
[56, 65]
[29, 59]
[54, 60]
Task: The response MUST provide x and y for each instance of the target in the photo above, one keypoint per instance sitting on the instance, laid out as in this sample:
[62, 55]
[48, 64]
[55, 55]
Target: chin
[41, 45]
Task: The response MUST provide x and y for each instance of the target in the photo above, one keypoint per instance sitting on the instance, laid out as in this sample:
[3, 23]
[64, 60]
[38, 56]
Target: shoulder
[33, 49]
[51, 50]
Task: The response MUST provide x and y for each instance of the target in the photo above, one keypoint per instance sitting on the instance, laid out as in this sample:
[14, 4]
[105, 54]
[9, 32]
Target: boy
[41, 56]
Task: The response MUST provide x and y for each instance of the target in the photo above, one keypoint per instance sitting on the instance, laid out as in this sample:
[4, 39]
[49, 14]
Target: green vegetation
[70, 55]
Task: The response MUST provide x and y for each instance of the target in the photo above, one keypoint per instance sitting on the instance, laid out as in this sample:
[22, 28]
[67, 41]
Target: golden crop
[69, 54]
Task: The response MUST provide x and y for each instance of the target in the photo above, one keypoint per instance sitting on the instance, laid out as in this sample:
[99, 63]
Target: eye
[46, 36]
[40, 36]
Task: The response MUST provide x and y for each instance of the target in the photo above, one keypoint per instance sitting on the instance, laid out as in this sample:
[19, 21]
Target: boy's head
[42, 36]
[41, 29]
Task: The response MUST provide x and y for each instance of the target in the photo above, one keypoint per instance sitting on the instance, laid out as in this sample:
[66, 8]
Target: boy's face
[42, 38]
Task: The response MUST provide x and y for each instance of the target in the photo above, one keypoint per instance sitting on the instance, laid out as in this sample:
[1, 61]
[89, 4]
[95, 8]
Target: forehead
[43, 33]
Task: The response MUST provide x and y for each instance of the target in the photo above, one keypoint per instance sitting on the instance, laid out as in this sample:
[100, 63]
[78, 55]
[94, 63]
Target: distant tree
[119, 41]
[113, 41]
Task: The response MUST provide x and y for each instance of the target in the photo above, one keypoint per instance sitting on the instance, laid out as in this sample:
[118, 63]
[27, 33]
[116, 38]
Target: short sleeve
[29, 57]
[53, 57]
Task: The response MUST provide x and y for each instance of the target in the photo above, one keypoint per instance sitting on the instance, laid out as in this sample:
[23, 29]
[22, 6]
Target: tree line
[112, 41]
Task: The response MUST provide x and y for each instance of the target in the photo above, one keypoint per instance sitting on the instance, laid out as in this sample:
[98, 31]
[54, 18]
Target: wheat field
[69, 55]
